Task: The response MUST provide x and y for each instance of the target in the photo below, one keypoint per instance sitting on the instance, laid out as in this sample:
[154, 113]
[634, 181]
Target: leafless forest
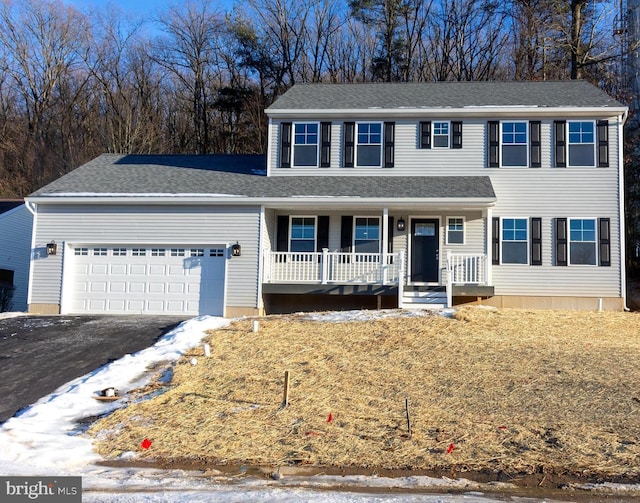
[196, 79]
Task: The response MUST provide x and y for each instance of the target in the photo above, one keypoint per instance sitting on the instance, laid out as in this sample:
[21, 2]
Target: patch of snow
[11, 315]
[357, 315]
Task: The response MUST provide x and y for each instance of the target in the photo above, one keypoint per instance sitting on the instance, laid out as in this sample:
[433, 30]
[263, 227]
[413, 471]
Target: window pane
[368, 155]
[581, 155]
[514, 133]
[583, 253]
[514, 252]
[369, 133]
[306, 134]
[455, 237]
[305, 155]
[514, 155]
[440, 141]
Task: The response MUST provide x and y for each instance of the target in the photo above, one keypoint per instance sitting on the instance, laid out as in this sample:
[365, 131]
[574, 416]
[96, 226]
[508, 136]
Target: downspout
[622, 227]
[33, 209]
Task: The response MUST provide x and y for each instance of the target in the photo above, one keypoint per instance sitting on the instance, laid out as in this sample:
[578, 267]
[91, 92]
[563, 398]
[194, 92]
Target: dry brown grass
[512, 390]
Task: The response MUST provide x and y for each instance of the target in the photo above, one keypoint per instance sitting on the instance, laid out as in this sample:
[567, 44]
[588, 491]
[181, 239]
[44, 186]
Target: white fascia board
[470, 111]
[169, 199]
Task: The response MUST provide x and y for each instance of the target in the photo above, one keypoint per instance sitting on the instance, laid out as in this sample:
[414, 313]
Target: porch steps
[424, 298]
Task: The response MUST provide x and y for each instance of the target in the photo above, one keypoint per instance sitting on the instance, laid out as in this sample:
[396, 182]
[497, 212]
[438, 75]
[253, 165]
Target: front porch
[374, 274]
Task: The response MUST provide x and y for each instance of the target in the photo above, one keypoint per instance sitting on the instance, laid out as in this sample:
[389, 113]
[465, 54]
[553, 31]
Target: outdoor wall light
[236, 250]
[401, 224]
[52, 248]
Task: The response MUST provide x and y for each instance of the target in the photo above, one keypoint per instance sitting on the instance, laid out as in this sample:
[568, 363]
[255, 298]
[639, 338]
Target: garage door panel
[177, 270]
[157, 288]
[118, 269]
[146, 280]
[138, 269]
[136, 287]
[115, 287]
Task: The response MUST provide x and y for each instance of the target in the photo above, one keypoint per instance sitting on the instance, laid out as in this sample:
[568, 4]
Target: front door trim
[410, 248]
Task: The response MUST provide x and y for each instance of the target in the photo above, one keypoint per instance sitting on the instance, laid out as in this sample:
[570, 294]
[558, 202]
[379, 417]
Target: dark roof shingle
[244, 176]
[570, 93]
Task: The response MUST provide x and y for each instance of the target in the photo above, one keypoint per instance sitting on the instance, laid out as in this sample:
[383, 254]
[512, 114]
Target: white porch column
[384, 245]
[488, 214]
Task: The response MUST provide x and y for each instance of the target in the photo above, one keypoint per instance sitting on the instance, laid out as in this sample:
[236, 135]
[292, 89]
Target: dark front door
[424, 250]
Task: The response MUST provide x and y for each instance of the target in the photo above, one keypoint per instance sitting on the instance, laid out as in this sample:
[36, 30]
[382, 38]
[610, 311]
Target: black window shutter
[389, 134]
[285, 145]
[536, 241]
[425, 134]
[494, 144]
[560, 133]
[604, 241]
[456, 139]
[323, 233]
[603, 143]
[349, 144]
[495, 241]
[390, 236]
[561, 241]
[346, 233]
[535, 145]
[325, 144]
[282, 236]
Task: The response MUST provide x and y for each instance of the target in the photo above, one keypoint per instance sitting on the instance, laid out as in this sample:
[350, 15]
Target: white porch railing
[465, 269]
[332, 267]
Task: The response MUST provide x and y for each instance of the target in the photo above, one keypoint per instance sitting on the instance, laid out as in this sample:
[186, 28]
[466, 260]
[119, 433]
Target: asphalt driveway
[38, 354]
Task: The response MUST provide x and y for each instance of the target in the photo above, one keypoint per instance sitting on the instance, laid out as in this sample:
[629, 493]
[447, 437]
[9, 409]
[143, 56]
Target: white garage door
[147, 280]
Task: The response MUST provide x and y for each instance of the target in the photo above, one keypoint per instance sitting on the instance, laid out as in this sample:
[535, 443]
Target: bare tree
[46, 45]
[188, 51]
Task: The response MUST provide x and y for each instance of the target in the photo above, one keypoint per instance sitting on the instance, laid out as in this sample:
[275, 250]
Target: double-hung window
[455, 230]
[514, 144]
[440, 134]
[366, 235]
[369, 144]
[515, 241]
[303, 234]
[305, 144]
[582, 144]
[582, 241]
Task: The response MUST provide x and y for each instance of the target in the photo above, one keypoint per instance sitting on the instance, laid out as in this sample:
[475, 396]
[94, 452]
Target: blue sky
[141, 8]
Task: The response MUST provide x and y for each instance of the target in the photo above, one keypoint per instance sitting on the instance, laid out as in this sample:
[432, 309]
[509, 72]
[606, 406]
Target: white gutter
[621, 191]
[33, 209]
[300, 201]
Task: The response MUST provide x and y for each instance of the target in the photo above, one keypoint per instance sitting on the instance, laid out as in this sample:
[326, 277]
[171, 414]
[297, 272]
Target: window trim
[527, 241]
[433, 135]
[464, 230]
[569, 143]
[294, 144]
[526, 144]
[596, 241]
[356, 144]
[354, 239]
[315, 232]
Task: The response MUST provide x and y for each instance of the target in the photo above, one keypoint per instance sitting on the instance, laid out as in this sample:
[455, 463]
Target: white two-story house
[371, 195]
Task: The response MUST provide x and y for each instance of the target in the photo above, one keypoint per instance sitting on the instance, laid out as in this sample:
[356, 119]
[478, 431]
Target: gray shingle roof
[570, 93]
[244, 176]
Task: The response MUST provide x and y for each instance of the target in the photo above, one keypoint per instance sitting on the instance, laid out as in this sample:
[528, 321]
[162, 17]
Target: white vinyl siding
[133, 226]
[410, 160]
